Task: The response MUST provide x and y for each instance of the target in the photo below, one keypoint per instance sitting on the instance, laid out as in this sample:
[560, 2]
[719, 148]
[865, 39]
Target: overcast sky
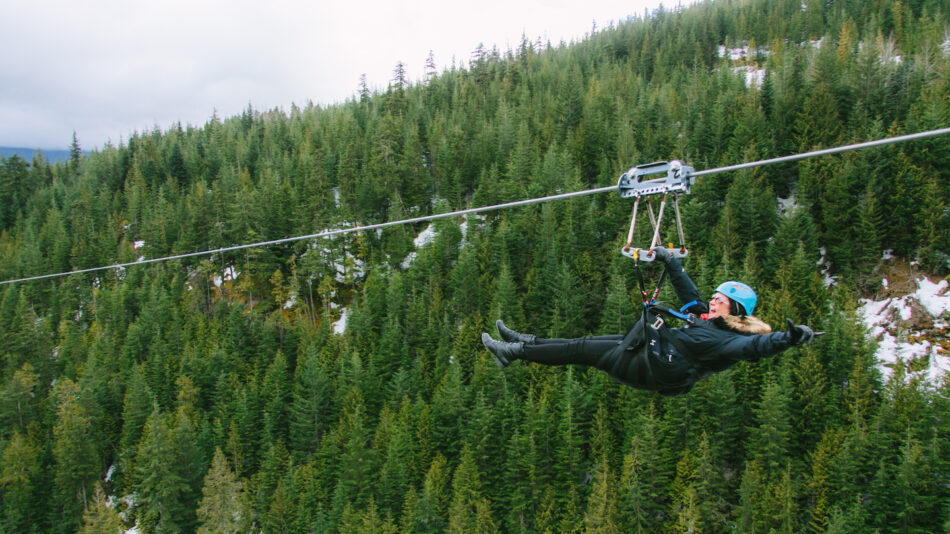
[107, 68]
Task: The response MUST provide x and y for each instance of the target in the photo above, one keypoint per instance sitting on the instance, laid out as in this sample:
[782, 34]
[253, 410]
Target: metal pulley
[657, 178]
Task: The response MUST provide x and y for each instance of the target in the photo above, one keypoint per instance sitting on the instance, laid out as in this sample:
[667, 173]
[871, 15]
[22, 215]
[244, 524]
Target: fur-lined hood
[746, 324]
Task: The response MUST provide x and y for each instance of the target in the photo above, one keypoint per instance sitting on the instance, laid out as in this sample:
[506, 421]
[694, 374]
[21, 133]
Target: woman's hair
[735, 308]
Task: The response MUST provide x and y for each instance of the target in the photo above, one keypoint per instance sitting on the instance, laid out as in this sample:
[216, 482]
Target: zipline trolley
[657, 178]
[661, 177]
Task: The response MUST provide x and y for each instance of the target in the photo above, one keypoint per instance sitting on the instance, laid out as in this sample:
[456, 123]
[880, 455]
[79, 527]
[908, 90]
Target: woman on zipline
[659, 358]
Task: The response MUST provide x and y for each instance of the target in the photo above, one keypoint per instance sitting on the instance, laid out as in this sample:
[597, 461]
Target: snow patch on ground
[734, 54]
[290, 302]
[230, 273]
[740, 53]
[425, 237]
[339, 327]
[753, 77]
[411, 257]
[912, 331]
[786, 204]
[825, 266]
[428, 236]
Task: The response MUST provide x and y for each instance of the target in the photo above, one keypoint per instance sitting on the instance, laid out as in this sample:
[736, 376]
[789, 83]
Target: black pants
[580, 351]
[624, 360]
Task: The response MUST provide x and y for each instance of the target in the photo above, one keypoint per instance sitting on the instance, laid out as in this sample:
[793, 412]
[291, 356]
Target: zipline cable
[517, 203]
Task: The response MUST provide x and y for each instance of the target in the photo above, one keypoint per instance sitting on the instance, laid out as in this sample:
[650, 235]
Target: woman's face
[718, 305]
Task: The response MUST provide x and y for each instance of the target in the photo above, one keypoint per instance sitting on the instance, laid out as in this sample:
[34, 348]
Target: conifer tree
[645, 476]
[19, 480]
[769, 441]
[161, 487]
[916, 496]
[618, 312]
[74, 448]
[469, 511]
[601, 515]
[101, 517]
[869, 231]
[280, 514]
[934, 236]
[221, 507]
[506, 305]
[17, 397]
[429, 516]
[276, 395]
[311, 407]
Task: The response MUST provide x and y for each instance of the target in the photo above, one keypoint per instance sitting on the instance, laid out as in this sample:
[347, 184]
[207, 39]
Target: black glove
[662, 254]
[799, 335]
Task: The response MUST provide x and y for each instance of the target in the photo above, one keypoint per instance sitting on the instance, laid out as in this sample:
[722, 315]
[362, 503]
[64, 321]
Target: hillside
[339, 385]
[28, 154]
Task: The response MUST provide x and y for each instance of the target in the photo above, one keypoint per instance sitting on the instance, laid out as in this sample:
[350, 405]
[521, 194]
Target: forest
[340, 385]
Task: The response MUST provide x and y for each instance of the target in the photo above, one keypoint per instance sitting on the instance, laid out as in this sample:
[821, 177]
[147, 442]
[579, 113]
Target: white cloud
[108, 68]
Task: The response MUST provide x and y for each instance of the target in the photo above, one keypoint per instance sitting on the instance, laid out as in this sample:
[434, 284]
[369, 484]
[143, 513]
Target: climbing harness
[657, 178]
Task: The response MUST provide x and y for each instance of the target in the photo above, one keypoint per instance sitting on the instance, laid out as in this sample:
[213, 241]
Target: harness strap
[687, 305]
[671, 312]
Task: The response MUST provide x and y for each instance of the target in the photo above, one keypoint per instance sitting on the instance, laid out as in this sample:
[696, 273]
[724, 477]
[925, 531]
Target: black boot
[510, 335]
[504, 352]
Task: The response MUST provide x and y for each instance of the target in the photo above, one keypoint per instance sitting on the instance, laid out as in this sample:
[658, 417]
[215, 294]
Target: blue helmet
[740, 293]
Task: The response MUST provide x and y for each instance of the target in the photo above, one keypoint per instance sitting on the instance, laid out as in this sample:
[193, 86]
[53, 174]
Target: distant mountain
[27, 153]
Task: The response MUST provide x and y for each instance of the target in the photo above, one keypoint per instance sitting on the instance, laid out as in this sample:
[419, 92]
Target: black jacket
[671, 360]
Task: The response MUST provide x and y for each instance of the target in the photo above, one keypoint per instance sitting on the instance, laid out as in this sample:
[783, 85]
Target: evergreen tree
[601, 516]
[17, 397]
[469, 511]
[770, 441]
[101, 518]
[133, 377]
[276, 395]
[220, 509]
[74, 448]
[311, 408]
[19, 478]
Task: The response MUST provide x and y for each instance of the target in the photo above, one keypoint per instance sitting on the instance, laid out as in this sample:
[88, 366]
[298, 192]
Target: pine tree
[280, 513]
[469, 510]
[506, 305]
[311, 408]
[160, 486]
[137, 406]
[221, 507]
[601, 515]
[74, 448]
[101, 518]
[934, 236]
[357, 465]
[17, 397]
[433, 500]
[869, 231]
[276, 395]
[618, 312]
[75, 154]
[643, 484]
[916, 496]
[19, 477]
[769, 441]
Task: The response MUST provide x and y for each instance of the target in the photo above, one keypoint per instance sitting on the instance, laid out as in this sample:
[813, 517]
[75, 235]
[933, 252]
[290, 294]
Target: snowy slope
[912, 330]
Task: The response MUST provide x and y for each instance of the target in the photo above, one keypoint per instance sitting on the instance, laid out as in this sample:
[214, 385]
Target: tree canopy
[340, 384]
